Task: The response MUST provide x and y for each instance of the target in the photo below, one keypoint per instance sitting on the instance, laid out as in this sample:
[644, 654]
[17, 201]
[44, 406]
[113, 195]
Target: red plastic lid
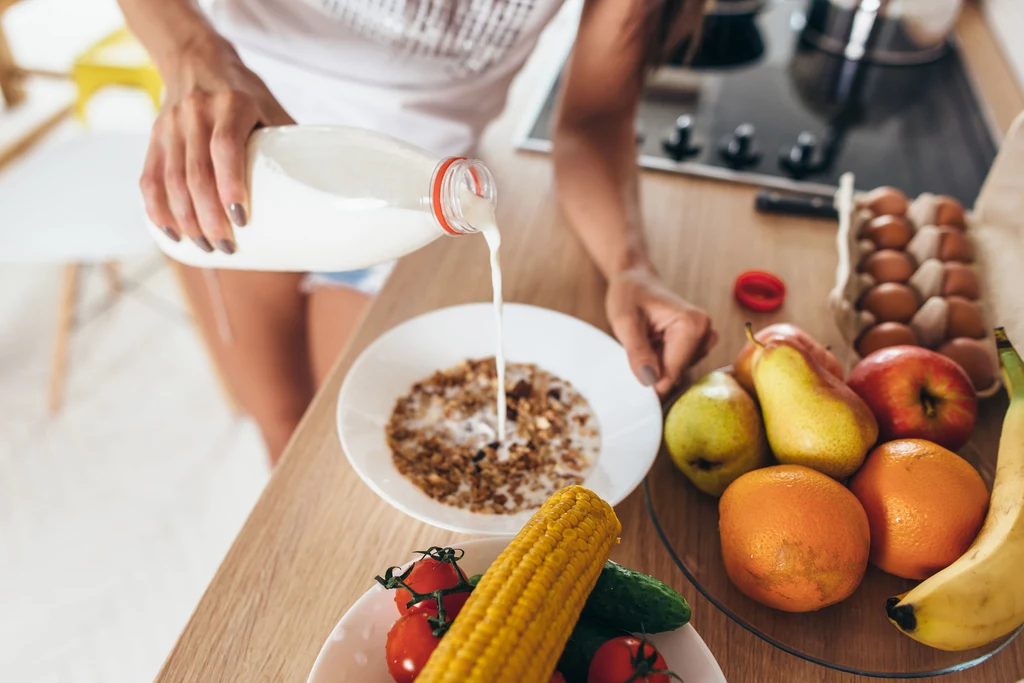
[759, 291]
[435, 193]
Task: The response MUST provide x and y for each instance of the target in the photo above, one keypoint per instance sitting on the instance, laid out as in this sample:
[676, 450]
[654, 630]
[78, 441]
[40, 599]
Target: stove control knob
[678, 144]
[740, 149]
[799, 160]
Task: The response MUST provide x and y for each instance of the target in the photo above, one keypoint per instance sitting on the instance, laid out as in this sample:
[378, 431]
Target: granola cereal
[443, 437]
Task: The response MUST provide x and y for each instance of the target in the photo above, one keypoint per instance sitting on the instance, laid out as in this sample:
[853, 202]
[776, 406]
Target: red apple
[788, 334]
[917, 394]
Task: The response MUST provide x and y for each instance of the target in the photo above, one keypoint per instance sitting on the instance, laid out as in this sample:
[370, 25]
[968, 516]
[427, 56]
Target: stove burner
[739, 149]
[677, 145]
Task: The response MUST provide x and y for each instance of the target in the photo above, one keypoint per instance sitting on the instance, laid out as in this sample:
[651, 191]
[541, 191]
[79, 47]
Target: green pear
[812, 418]
[714, 433]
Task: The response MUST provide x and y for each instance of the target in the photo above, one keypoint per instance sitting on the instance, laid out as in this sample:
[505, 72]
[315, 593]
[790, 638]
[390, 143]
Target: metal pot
[729, 38]
[894, 32]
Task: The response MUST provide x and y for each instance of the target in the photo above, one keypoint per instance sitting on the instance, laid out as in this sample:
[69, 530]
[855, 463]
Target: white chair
[73, 200]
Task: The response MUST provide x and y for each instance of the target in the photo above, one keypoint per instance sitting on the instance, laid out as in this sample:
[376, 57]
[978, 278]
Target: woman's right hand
[194, 177]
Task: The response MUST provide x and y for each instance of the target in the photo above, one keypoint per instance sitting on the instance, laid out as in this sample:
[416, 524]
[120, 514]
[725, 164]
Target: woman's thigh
[334, 316]
[255, 324]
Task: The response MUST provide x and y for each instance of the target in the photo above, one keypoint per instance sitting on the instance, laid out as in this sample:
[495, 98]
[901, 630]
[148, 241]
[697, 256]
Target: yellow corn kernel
[516, 622]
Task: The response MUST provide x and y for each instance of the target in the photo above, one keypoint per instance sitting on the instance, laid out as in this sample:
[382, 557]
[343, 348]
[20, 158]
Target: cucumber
[634, 602]
[583, 644]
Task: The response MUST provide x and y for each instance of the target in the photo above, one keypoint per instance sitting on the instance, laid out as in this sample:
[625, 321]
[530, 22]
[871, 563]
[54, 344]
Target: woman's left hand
[663, 333]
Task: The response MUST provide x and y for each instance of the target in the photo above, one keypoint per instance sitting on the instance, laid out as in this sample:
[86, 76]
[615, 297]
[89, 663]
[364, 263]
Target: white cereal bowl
[354, 652]
[628, 414]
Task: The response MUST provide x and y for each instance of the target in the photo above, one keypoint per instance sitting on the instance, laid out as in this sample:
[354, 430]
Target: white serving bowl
[354, 652]
[628, 414]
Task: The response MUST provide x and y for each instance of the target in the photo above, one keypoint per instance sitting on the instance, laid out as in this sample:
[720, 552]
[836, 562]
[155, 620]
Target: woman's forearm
[170, 28]
[595, 168]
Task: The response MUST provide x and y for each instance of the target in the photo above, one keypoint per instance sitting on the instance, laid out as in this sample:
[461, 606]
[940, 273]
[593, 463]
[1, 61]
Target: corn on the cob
[516, 622]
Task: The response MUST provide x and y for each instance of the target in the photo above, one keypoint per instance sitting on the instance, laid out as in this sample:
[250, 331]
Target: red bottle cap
[435, 194]
[759, 291]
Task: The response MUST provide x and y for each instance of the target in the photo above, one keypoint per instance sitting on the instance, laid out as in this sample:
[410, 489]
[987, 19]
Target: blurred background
[124, 472]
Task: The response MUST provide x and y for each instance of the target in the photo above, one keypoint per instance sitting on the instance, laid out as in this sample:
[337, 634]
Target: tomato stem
[392, 580]
[644, 664]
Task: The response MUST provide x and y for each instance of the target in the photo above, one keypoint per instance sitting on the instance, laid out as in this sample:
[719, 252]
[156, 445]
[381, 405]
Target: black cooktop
[759, 106]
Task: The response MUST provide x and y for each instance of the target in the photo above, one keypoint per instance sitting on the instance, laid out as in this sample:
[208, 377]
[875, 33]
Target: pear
[714, 433]
[811, 417]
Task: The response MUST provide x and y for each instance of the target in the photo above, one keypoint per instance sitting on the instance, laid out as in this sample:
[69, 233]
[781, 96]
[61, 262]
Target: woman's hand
[663, 334]
[194, 177]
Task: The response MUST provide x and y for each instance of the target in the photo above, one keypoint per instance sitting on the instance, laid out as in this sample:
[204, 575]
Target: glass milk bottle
[324, 198]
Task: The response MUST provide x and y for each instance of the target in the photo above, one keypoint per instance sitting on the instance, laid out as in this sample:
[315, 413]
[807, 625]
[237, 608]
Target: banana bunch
[980, 597]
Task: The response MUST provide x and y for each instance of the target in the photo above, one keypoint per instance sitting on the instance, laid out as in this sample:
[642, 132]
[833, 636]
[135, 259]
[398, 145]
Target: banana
[980, 597]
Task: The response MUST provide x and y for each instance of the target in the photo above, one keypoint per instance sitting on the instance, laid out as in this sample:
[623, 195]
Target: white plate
[628, 414]
[354, 652]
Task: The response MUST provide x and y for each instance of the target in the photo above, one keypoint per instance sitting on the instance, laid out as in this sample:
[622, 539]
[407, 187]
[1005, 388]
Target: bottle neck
[461, 190]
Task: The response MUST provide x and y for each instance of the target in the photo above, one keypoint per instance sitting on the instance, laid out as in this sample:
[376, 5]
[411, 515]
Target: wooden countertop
[318, 535]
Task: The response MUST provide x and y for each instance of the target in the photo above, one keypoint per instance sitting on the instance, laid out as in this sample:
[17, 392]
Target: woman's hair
[668, 25]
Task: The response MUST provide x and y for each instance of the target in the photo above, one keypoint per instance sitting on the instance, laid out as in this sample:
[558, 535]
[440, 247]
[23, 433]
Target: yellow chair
[118, 59]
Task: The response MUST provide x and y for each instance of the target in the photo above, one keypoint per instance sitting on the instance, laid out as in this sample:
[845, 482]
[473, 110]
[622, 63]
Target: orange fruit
[793, 538]
[925, 505]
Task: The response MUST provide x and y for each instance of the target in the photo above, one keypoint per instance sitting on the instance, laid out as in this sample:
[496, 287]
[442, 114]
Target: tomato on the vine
[427, 576]
[628, 659]
[410, 643]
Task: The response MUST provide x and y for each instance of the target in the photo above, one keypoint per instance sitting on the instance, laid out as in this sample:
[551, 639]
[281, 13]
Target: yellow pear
[714, 433]
[810, 416]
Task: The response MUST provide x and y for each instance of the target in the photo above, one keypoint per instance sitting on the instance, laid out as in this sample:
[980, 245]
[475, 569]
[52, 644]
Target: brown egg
[975, 358]
[888, 232]
[885, 335]
[964, 319]
[955, 246]
[960, 280]
[891, 302]
[888, 265]
[886, 201]
[949, 211]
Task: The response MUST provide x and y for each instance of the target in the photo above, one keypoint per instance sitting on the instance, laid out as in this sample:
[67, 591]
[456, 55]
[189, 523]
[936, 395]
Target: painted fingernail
[171, 235]
[648, 375]
[203, 243]
[237, 213]
[227, 246]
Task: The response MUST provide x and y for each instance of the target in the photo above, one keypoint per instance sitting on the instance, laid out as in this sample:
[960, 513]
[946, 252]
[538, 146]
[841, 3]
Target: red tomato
[410, 642]
[427, 576]
[620, 660]
[557, 678]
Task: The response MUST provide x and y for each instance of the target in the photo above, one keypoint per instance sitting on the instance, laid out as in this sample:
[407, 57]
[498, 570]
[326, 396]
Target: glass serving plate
[853, 636]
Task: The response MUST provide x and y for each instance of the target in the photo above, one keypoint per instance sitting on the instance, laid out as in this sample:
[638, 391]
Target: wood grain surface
[318, 535]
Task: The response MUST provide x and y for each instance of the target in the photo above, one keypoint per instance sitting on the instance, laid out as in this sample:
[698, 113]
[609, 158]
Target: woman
[434, 73]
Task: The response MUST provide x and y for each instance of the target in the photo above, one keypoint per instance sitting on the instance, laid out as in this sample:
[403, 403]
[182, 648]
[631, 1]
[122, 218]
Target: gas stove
[761, 106]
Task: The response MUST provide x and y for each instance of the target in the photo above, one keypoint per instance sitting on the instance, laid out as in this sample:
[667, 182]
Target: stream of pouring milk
[480, 214]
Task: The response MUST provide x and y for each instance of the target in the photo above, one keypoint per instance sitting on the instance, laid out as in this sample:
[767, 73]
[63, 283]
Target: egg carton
[995, 228]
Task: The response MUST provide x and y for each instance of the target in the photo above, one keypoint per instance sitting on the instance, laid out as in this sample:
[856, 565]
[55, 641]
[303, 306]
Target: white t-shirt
[431, 72]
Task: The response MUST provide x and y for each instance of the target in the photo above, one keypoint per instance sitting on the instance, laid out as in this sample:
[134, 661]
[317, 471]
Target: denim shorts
[368, 280]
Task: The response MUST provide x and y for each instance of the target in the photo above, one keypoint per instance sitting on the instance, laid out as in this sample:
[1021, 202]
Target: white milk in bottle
[333, 199]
